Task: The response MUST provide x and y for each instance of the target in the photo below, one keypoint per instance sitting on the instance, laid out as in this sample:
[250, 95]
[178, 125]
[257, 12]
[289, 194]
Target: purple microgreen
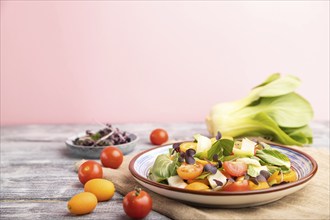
[189, 159]
[190, 152]
[261, 178]
[182, 155]
[254, 180]
[218, 137]
[210, 168]
[121, 136]
[104, 137]
[102, 133]
[265, 174]
[218, 182]
[176, 147]
[219, 164]
[216, 157]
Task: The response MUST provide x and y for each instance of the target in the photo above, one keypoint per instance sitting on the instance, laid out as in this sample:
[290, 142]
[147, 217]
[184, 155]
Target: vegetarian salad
[222, 164]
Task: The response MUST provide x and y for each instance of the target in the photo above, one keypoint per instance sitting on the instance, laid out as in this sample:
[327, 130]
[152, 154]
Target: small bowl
[93, 152]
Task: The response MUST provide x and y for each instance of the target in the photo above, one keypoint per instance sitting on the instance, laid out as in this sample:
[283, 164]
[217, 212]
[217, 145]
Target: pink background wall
[112, 61]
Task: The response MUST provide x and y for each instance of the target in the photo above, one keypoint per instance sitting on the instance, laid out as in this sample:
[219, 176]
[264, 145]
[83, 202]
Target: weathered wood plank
[57, 182]
[30, 209]
[37, 178]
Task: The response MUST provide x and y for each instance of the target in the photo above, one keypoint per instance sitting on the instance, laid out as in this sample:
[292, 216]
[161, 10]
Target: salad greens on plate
[222, 164]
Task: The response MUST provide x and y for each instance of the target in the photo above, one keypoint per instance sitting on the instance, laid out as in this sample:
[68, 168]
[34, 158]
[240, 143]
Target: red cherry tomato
[241, 185]
[235, 168]
[158, 136]
[89, 170]
[226, 174]
[111, 157]
[137, 204]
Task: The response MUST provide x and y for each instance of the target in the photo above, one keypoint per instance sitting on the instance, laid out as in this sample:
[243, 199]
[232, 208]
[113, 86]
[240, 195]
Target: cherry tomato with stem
[89, 170]
[158, 136]
[137, 204]
[111, 157]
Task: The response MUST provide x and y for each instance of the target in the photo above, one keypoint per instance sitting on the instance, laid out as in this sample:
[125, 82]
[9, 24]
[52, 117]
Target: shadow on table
[66, 153]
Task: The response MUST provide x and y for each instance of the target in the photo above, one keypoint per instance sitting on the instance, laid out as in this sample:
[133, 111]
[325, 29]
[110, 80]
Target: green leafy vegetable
[272, 169]
[222, 147]
[274, 157]
[301, 134]
[270, 79]
[252, 171]
[258, 159]
[96, 136]
[164, 167]
[230, 157]
[265, 146]
[255, 170]
[272, 109]
[285, 169]
[201, 155]
[203, 175]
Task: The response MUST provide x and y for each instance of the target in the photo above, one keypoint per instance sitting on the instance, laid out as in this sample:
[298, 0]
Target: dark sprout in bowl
[105, 137]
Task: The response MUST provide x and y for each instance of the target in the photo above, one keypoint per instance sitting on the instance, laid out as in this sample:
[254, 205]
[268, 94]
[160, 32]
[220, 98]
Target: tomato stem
[137, 191]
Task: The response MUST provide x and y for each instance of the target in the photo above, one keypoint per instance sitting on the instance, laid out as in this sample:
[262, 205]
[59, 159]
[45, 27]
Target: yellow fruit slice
[261, 185]
[204, 162]
[278, 177]
[204, 181]
[197, 186]
[290, 176]
[275, 178]
[188, 145]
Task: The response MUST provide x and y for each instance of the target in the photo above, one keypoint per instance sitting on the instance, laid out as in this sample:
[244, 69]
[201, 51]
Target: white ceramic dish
[304, 164]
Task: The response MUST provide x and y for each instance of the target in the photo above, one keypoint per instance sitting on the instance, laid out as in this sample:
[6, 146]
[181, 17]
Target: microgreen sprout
[104, 137]
[218, 182]
[218, 137]
[210, 168]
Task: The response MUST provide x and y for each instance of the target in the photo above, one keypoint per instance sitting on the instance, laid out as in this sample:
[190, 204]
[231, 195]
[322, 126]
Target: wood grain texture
[37, 176]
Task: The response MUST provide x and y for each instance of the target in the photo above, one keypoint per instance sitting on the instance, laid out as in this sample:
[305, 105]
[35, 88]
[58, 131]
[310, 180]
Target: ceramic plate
[94, 152]
[304, 164]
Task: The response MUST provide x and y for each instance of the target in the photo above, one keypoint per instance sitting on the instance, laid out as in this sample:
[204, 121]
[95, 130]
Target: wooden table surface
[37, 177]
